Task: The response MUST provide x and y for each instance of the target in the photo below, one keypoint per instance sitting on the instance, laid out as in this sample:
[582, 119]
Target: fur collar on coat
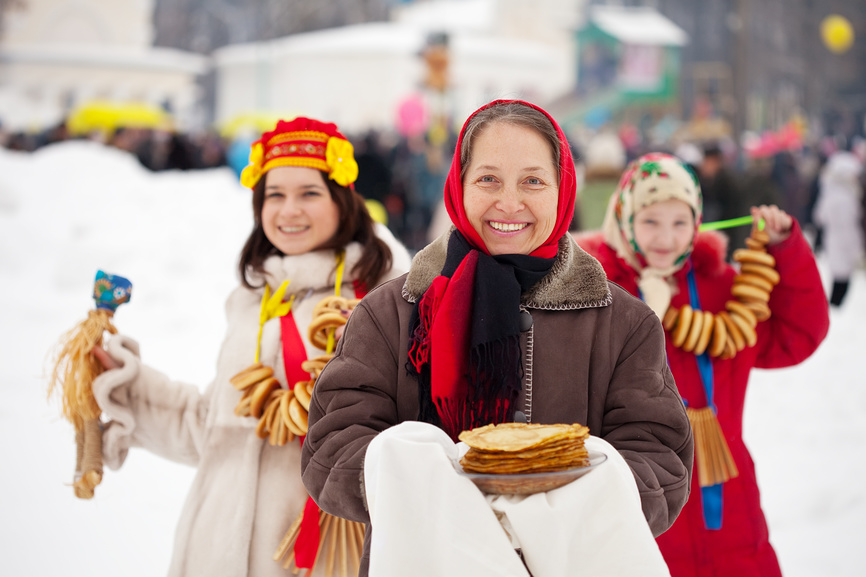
[316, 270]
[576, 280]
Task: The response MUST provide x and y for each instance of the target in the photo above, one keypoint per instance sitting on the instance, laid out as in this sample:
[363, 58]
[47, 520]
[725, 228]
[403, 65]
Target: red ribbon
[294, 354]
[307, 544]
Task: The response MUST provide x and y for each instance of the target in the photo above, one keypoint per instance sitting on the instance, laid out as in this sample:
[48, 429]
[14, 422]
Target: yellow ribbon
[341, 261]
[272, 307]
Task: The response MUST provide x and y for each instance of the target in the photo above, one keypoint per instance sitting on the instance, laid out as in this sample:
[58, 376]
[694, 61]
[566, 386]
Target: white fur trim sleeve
[147, 410]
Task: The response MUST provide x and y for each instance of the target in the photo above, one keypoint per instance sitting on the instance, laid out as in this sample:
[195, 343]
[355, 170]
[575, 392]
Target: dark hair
[355, 224]
[510, 113]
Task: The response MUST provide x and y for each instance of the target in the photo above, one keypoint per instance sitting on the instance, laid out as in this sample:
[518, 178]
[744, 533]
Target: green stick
[730, 223]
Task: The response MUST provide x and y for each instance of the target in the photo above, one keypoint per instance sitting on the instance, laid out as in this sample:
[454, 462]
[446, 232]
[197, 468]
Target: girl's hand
[338, 332]
[104, 358]
[777, 222]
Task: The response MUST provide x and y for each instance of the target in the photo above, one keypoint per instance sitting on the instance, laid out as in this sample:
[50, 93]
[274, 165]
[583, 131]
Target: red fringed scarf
[464, 346]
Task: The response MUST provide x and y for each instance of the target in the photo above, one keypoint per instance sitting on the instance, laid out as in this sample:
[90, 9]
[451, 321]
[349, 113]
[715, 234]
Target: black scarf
[480, 385]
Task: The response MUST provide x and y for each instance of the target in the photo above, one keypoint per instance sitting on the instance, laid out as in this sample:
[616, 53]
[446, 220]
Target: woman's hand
[777, 222]
[104, 358]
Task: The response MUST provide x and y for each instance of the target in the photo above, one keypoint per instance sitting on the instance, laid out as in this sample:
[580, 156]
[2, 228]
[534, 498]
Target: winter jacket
[246, 493]
[798, 324]
[593, 355]
[838, 212]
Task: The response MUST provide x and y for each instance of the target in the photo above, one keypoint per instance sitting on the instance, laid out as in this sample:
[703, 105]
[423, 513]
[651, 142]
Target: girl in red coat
[650, 245]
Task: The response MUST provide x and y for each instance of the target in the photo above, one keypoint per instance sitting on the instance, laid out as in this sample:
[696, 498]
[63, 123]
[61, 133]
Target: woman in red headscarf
[503, 318]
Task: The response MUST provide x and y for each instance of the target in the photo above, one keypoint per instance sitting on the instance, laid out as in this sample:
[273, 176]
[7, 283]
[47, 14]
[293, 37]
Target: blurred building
[628, 67]
[359, 76]
[759, 63]
[57, 54]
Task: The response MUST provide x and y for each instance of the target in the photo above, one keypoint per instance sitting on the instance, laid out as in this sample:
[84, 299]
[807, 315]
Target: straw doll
[74, 372]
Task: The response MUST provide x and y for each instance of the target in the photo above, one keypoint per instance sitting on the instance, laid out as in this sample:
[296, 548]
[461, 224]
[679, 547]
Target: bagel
[747, 255]
[275, 420]
[762, 236]
[733, 332]
[720, 336]
[754, 280]
[761, 270]
[260, 396]
[742, 310]
[315, 365]
[246, 379]
[694, 331]
[298, 422]
[242, 409]
[684, 321]
[283, 432]
[730, 347]
[284, 407]
[749, 292]
[746, 329]
[241, 375]
[706, 332]
[263, 427]
[755, 244]
[761, 310]
[670, 318]
[331, 303]
[319, 328]
[302, 395]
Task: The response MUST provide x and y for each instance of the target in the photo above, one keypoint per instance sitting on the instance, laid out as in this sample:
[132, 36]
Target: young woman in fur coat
[310, 228]
[650, 246]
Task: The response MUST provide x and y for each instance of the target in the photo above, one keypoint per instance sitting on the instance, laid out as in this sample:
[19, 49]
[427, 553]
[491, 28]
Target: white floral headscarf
[651, 178]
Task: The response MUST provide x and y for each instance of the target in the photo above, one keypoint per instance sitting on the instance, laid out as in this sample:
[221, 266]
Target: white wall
[88, 22]
[55, 54]
[356, 76]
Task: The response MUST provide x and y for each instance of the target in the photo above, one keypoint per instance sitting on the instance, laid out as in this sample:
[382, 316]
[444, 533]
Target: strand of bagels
[728, 332]
[283, 413]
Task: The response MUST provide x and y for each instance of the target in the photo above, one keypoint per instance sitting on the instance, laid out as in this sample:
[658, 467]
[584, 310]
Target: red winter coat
[799, 322]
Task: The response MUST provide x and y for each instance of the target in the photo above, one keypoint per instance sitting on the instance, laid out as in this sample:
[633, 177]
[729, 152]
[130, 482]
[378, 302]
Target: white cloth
[428, 520]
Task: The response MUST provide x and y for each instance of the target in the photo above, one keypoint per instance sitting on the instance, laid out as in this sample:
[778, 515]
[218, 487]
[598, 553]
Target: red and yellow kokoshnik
[303, 142]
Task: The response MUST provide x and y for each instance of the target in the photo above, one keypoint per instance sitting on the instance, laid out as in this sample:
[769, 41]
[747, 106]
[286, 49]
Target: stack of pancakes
[515, 448]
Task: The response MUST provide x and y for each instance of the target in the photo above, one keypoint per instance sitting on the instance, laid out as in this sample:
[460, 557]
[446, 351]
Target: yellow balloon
[837, 32]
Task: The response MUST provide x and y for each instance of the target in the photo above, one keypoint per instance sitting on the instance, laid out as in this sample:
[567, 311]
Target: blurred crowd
[404, 175]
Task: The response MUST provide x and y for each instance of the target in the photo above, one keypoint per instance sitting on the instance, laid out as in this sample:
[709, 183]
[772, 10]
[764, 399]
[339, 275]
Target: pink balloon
[412, 116]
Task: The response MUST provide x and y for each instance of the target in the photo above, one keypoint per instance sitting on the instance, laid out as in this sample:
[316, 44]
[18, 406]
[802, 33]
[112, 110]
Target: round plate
[530, 483]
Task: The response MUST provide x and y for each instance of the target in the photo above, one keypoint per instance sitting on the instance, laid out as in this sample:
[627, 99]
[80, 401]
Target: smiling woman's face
[298, 214]
[511, 189]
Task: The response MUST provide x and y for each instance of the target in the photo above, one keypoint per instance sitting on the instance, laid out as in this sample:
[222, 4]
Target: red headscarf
[567, 189]
[465, 332]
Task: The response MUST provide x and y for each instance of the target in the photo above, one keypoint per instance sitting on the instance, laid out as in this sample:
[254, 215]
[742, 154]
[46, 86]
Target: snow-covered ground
[75, 207]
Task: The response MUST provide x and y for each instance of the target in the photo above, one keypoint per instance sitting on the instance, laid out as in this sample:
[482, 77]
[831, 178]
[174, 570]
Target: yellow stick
[344, 556]
[326, 525]
[332, 550]
[289, 538]
[353, 546]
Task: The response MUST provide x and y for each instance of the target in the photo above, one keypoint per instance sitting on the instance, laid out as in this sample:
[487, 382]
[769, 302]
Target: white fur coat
[246, 493]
